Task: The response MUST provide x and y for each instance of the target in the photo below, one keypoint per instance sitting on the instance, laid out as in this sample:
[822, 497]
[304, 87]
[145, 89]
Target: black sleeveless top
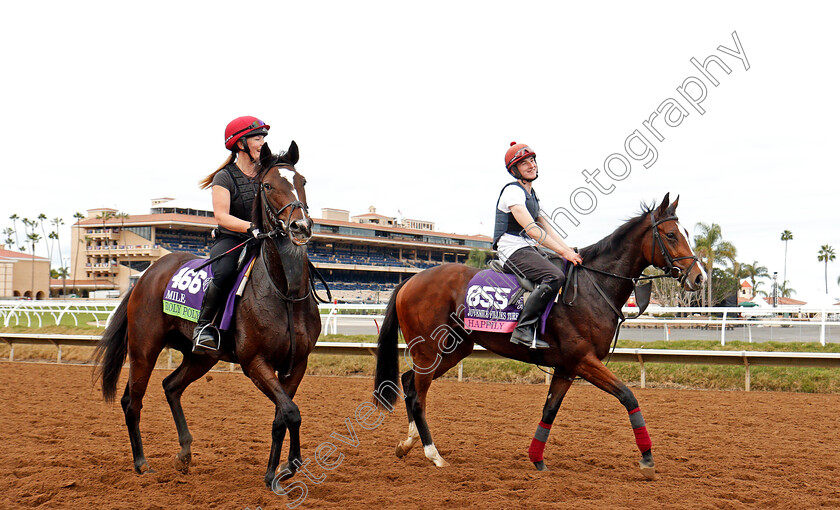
[505, 222]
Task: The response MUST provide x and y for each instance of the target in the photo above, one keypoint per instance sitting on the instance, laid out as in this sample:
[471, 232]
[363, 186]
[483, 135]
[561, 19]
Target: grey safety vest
[241, 197]
[505, 222]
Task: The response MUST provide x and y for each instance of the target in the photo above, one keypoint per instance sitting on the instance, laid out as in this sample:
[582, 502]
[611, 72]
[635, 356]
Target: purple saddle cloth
[185, 292]
[488, 306]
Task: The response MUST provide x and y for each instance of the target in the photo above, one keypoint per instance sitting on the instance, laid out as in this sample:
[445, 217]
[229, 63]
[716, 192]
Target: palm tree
[8, 240]
[14, 219]
[754, 271]
[33, 238]
[42, 219]
[787, 235]
[105, 216]
[826, 254]
[785, 290]
[711, 248]
[57, 223]
[124, 216]
[78, 217]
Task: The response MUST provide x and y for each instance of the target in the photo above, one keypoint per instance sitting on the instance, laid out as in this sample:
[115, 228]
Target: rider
[234, 188]
[519, 229]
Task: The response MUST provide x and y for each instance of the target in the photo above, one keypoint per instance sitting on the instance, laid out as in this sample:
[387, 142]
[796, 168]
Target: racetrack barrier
[620, 355]
[805, 324]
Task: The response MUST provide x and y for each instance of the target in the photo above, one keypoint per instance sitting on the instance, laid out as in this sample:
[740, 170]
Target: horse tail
[111, 350]
[387, 354]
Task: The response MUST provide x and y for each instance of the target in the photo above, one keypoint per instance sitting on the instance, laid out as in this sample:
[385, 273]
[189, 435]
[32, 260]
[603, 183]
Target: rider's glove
[254, 231]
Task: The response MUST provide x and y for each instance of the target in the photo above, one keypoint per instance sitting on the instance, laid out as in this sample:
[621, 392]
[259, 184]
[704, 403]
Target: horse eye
[670, 235]
[267, 186]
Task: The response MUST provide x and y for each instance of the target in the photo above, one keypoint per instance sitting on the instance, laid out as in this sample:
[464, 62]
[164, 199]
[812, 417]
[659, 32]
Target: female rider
[519, 229]
[234, 188]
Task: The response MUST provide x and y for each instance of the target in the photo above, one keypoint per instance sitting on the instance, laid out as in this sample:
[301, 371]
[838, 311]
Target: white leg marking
[433, 455]
[413, 436]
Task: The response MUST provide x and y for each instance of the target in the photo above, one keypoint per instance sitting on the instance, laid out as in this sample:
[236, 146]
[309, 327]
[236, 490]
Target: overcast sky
[411, 106]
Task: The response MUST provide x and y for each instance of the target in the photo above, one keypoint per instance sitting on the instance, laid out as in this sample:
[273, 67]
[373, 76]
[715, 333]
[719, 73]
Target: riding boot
[205, 335]
[526, 332]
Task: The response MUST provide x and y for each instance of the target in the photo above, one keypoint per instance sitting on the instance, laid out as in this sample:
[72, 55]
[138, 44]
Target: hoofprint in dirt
[65, 448]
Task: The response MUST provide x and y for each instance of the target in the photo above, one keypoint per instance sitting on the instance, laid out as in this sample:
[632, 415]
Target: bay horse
[429, 310]
[275, 327]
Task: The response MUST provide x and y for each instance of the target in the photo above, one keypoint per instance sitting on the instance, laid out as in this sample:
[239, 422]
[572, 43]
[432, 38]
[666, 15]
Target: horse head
[670, 249]
[281, 207]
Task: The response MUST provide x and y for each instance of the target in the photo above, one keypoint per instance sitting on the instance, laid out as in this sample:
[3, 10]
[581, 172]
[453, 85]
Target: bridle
[680, 275]
[642, 296]
[281, 226]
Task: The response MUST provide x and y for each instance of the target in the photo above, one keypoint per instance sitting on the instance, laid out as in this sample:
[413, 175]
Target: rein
[642, 296]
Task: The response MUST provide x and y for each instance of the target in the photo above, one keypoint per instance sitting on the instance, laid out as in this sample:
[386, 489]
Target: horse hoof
[144, 469]
[182, 464]
[400, 452]
[647, 469]
[540, 466]
[441, 463]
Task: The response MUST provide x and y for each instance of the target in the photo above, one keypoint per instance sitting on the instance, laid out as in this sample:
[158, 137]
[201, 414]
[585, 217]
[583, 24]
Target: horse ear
[663, 206]
[265, 156]
[673, 207]
[292, 155]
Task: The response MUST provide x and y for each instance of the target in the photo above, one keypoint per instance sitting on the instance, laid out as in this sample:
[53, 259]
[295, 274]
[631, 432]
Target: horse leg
[190, 369]
[591, 369]
[290, 386]
[410, 399]
[417, 420]
[421, 383]
[286, 415]
[560, 384]
[132, 402]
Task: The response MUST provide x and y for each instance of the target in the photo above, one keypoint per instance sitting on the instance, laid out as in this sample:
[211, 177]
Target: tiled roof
[339, 223]
[785, 301]
[136, 219]
[18, 255]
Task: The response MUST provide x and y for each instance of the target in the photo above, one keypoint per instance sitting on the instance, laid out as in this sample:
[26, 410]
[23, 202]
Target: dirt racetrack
[63, 447]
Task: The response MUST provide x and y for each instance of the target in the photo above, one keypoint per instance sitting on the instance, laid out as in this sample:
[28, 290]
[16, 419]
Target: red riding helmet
[244, 127]
[516, 153]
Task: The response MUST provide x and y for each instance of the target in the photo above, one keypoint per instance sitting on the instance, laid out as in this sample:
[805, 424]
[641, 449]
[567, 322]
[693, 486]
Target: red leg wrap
[642, 439]
[535, 451]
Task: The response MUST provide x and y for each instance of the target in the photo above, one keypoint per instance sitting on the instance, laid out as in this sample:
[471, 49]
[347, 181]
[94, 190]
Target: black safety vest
[505, 222]
[241, 197]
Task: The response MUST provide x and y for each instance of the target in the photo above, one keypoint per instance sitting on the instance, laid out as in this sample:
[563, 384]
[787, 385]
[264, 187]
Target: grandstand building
[362, 257]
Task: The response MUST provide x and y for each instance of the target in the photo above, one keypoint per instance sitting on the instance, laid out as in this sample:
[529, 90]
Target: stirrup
[535, 342]
[201, 343]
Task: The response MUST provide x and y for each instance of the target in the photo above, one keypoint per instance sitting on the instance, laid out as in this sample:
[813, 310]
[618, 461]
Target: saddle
[525, 285]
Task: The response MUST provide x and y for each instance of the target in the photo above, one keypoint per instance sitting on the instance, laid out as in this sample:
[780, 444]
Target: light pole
[775, 288]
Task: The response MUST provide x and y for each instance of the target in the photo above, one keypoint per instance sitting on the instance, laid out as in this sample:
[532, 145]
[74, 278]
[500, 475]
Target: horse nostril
[299, 226]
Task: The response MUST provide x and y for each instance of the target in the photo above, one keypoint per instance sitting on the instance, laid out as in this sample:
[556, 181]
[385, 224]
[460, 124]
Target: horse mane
[616, 239]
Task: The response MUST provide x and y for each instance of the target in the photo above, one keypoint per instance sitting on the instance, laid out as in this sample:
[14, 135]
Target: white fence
[746, 358]
[809, 324]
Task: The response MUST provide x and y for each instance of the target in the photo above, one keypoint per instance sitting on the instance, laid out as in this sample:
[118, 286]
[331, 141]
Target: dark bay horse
[429, 310]
[275, 303]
